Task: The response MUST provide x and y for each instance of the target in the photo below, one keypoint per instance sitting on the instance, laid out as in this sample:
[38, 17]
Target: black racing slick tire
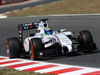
[86, 42]
[85, 37]
[35, 46]
[13, 47]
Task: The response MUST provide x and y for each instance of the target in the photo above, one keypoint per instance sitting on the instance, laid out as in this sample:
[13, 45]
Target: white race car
[46, 42]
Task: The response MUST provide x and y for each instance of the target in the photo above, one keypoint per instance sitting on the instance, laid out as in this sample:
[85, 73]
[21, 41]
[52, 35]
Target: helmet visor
[48, 32]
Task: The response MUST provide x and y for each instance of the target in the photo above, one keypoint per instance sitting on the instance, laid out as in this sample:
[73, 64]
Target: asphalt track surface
[17, 7]
[8, 28]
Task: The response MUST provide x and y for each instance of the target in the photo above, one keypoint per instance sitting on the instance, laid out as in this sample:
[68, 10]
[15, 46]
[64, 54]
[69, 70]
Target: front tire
[85, 37]
[86, 42]
[35, 46]
[13, 47]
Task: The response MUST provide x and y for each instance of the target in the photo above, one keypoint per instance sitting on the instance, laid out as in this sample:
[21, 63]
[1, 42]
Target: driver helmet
[48, 31]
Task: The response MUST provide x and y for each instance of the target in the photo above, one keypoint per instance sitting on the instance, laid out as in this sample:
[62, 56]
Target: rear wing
[26, 26]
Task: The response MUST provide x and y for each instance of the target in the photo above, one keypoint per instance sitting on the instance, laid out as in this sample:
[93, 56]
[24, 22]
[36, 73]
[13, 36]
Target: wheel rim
[31, 50]
[8, 49]
[80, 36]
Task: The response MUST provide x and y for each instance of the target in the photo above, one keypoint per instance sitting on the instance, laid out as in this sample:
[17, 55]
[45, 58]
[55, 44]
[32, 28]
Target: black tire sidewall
[86, 37]
[14, 47]
[36, 44]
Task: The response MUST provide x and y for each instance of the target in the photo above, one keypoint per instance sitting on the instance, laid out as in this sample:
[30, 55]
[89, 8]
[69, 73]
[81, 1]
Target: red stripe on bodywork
[41, 67]
[92, 73]
[22, 64]
[58, 39]
[64, 70]
[7, 62]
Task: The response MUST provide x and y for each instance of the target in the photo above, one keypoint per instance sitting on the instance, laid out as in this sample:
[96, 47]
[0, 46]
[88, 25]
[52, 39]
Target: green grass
[16, 72]
[62, 7]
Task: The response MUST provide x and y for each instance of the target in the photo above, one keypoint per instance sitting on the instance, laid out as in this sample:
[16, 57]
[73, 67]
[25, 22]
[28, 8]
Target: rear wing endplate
[26, 26]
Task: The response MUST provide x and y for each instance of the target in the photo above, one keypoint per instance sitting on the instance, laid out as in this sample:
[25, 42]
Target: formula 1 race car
[46, 42]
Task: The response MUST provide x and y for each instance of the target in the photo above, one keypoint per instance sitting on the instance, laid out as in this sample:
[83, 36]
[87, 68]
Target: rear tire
[13, 47]
[35, 46]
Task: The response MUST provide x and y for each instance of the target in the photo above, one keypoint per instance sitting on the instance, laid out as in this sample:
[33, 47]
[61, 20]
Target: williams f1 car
[46, 42]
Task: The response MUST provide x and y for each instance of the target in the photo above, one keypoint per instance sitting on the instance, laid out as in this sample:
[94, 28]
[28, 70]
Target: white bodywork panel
[61, 38]
[48, 40]
[64, 41]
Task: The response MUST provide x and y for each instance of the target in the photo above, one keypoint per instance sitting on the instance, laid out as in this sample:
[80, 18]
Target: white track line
[15, 10]
[26, 8]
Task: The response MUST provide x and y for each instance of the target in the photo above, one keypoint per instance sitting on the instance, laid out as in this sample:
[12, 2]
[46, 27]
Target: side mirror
[62, 30]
